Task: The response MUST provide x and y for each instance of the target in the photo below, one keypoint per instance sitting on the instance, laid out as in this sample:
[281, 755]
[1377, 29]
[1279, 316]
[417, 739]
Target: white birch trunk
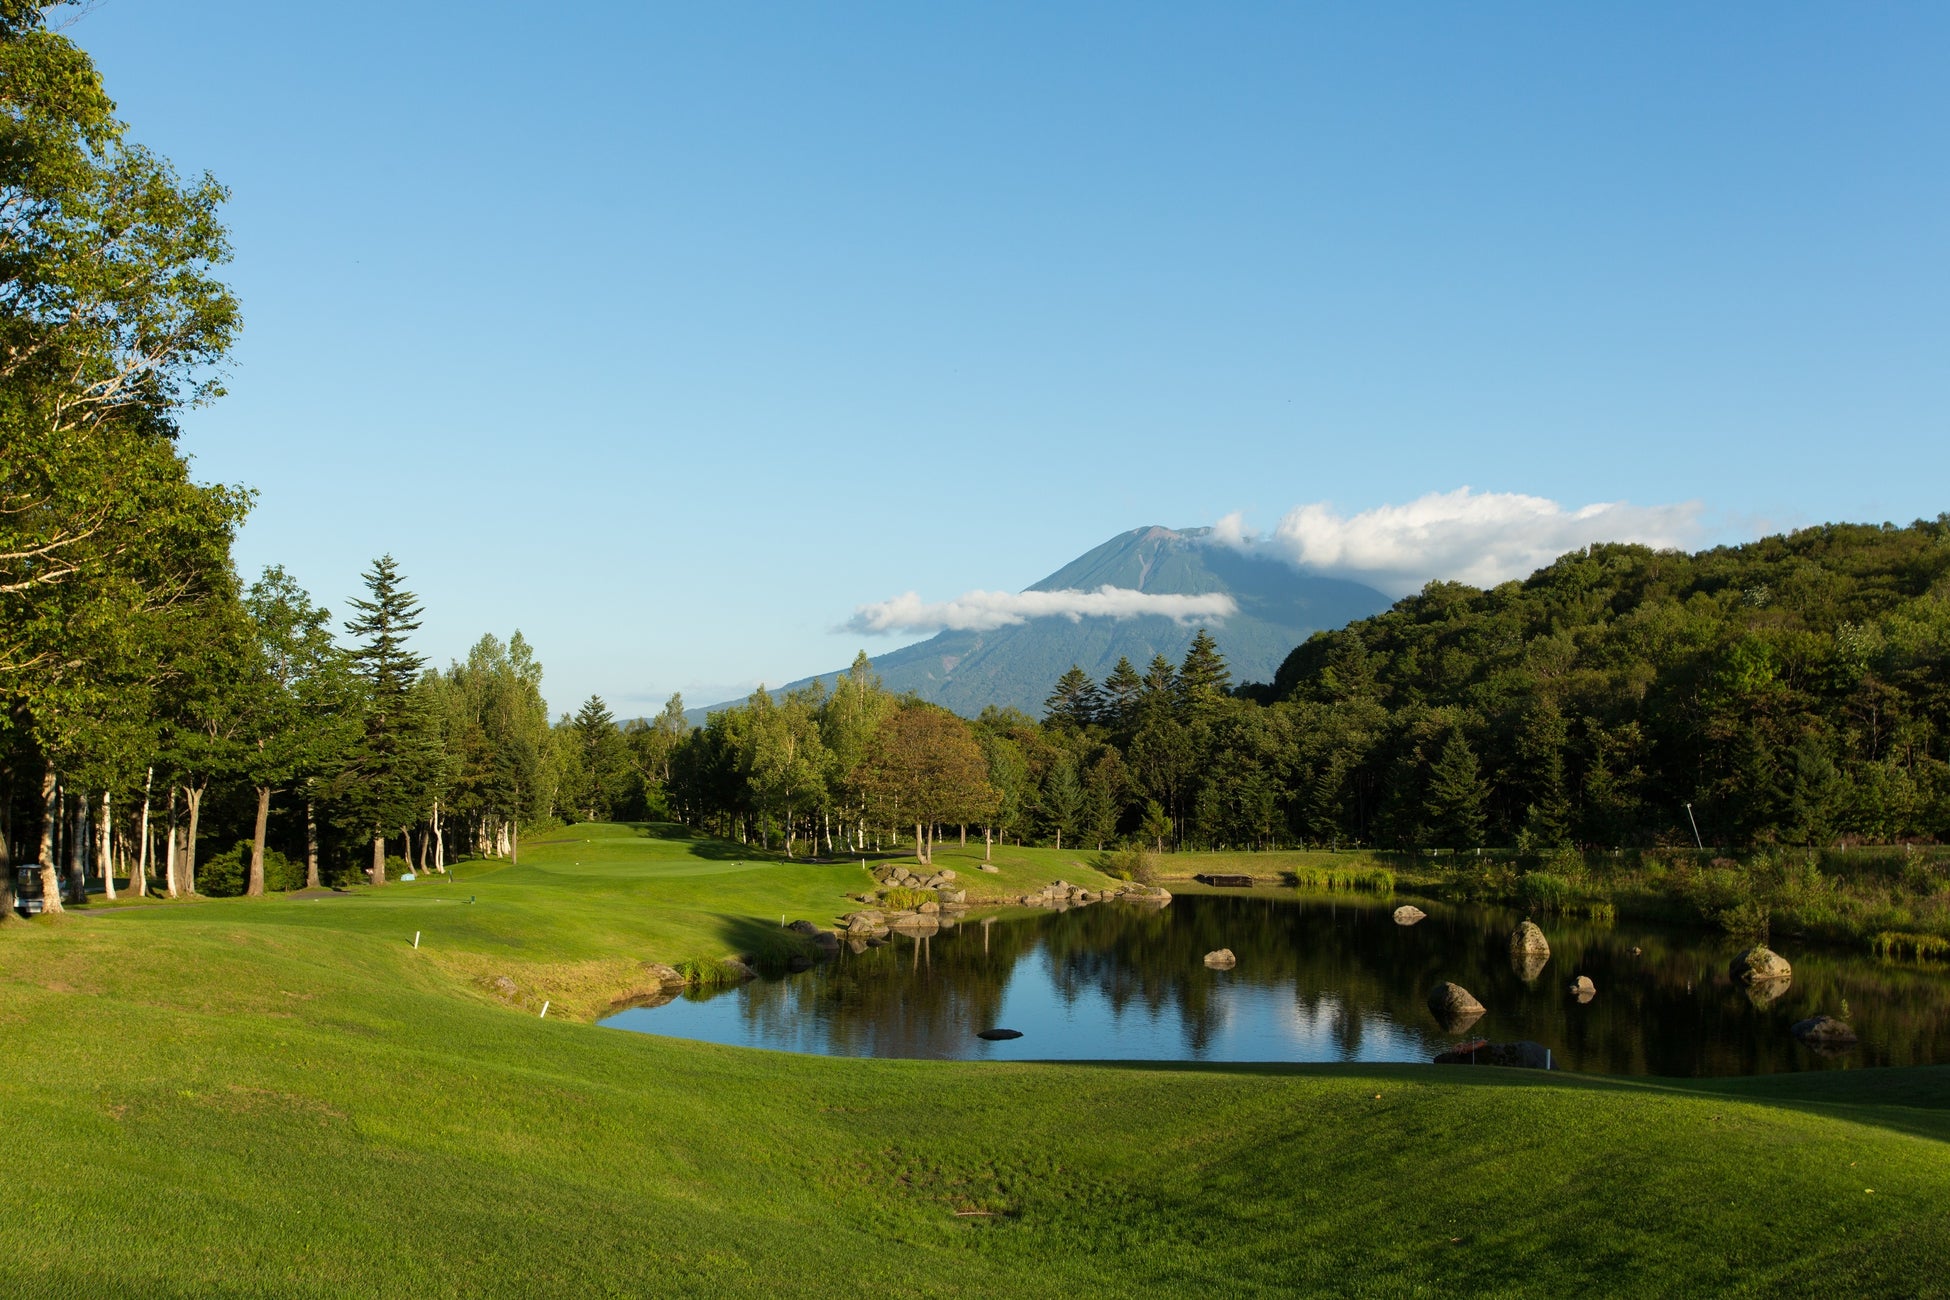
[439, 842]
[107, 849]
[140, 884]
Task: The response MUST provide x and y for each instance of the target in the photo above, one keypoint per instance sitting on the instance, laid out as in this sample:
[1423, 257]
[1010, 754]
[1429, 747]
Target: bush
[1376, 880]
[224, 875]
[906, 900]
[1130, 862]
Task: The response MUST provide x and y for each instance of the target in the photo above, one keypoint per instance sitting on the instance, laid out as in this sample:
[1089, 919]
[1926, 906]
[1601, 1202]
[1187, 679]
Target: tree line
[1792, 690]
[149, 699]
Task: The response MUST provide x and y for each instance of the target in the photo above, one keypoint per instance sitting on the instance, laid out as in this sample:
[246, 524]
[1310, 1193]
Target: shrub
[224, 875]
[1130, 862]
[906, 900]
[1375, 880]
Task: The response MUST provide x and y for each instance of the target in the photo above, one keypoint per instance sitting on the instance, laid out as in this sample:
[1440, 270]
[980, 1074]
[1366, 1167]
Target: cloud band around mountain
[984, 611]
[1481, 538]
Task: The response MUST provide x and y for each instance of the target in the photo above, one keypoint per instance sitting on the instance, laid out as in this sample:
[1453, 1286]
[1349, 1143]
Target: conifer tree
[1456, 794]
[1075, 703]
[1203, 679]
[391, 767]
[1120, 694]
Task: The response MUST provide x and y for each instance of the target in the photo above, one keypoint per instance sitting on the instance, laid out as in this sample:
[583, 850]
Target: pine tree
[391, 768]
[1120, 694]
[1456, 794]
[1203, 679]
[605, 763]
[1075, 703]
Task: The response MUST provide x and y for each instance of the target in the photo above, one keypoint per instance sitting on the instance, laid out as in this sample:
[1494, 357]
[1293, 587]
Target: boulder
[1824, 1031]
[666, 976]
[1529, 939]
[1759, 964]
[1583, 989]
[953, 895]
[929, 909]
[738, 969]
[1524, 1055]
[506, 987]
[991, 868]
[1409, 914]
[1454, 1007]
[999, 1035]
[1221, 959]
[1084, 896]
[945, 875]
[806, 928]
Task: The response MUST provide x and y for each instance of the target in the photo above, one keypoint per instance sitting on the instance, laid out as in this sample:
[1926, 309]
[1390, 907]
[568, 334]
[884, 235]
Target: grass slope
[284, 1098]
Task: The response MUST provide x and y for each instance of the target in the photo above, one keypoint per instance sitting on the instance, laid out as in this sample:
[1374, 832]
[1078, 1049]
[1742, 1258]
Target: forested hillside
[1795, 689]
[1790, 691]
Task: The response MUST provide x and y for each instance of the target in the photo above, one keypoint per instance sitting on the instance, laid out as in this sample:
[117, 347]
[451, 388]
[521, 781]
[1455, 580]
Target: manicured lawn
[284, 1098]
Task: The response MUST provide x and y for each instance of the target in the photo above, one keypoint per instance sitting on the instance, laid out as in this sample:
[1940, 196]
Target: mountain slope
[1279, 607]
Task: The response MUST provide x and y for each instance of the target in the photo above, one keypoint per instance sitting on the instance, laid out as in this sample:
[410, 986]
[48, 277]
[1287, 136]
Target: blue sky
[673, 334]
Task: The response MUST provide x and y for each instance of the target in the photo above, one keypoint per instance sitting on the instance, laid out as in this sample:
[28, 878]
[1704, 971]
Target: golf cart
[27, 889]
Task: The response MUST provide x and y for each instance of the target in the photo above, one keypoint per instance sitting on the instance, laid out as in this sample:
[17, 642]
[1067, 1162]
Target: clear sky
[672, 334]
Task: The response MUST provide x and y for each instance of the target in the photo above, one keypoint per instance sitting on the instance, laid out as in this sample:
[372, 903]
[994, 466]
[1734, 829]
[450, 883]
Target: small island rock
[1824, 1031]
[1454, 1006]
[1529, 941]
[1221, 959]
[1583, 989]
[1409, 914]
[1760, 965]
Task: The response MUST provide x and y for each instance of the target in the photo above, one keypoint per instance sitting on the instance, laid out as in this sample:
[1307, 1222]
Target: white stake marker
[416, 938]
[544, 1010]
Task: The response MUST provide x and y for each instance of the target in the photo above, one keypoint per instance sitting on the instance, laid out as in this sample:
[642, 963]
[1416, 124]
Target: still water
[1318, 978]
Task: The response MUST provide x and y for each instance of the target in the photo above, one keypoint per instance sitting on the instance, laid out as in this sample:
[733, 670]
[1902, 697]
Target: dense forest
[1794, 690]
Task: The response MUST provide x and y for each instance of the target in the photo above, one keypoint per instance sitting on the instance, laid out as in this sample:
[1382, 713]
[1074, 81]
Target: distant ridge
[1279, 607]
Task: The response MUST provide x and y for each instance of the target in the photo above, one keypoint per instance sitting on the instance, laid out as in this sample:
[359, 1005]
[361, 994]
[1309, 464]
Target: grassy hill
[284, 1097]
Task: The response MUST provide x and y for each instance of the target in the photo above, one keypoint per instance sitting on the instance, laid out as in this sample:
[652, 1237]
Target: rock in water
[1824, 1031]
[1529, 940]
[1454, 1007]
[999, 1035]
[1759, 964]
[1221, 960]
[1409, 914]
[1583, 989]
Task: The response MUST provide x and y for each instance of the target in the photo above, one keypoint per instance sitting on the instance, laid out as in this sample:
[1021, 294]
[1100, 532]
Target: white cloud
[1477, 537]
[983, 611]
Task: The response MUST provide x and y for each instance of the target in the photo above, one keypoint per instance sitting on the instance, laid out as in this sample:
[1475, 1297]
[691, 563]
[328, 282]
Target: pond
[1319, 978]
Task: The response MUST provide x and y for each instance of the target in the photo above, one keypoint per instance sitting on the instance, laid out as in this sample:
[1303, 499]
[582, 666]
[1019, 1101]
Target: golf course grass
[284, 1097]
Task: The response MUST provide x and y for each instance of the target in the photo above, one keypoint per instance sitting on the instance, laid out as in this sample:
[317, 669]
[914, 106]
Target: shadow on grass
[1911, 1099]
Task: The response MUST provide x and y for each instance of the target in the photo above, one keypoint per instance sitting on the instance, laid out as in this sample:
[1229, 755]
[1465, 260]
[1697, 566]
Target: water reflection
[1318, 979]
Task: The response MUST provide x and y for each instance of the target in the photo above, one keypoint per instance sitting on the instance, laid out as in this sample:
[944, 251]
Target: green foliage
[1135, 861]
[902, 899]
[225, 875]
[1373, 880]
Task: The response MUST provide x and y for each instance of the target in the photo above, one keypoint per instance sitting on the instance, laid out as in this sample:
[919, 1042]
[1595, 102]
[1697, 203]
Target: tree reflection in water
[1319, 978]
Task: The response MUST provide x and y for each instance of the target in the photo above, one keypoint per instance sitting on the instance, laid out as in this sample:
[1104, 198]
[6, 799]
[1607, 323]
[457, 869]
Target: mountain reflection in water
[1318, 979]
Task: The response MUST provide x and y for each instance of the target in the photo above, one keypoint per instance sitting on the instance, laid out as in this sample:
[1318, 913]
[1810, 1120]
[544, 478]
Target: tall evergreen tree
[1456, 794]
[1120, 694]
[390, 769]
[1075, 703]
[1203, 679]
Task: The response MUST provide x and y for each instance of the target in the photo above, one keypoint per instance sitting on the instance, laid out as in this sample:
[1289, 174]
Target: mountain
[1279, 607]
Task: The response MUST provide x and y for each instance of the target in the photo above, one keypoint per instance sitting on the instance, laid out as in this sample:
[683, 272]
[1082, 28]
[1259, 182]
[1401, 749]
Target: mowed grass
[283, 1098]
